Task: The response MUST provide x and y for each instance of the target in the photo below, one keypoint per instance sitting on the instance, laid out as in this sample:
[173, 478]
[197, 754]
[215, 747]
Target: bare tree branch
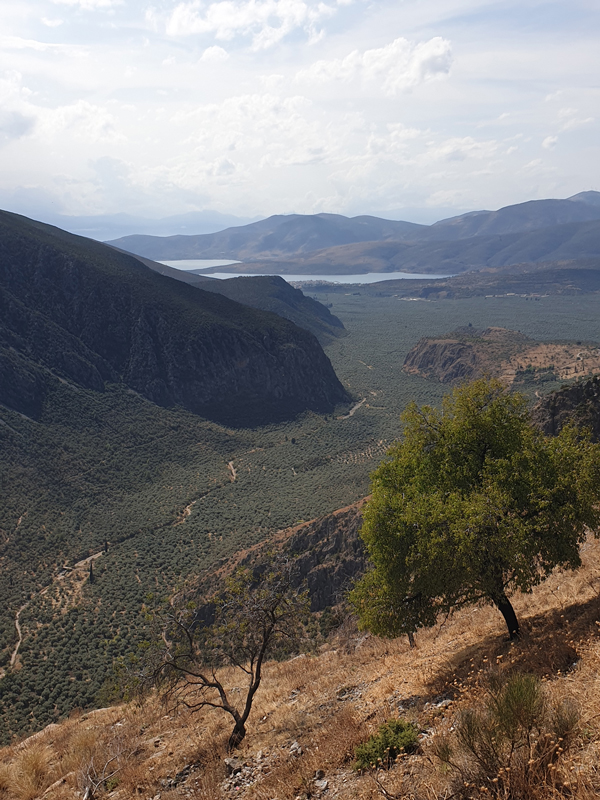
[255, 614]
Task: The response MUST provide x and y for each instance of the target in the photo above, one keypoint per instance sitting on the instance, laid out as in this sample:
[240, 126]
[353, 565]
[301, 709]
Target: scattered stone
[444, 704]
[181, 777]
[234, 766]
[295, 749]
[321, 785]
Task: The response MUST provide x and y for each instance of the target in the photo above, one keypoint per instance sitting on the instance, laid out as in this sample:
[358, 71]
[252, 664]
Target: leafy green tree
[256, 615]
[473, 504]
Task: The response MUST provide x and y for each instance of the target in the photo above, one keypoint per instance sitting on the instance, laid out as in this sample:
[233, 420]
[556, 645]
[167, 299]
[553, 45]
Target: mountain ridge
[281, 237]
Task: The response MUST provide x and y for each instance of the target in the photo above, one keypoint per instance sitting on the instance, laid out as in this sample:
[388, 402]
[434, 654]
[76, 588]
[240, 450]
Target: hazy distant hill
[574, 240]
[109, 226]
[534, 231]
[84, 312]
[274, 237]
[519, 218]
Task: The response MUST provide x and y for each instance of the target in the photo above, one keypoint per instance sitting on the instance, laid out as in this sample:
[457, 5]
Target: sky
[409, 109]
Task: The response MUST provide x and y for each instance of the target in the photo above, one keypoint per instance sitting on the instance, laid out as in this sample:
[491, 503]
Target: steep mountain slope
[332, 700]
[90, 314]
[267, 293]
[272, 293]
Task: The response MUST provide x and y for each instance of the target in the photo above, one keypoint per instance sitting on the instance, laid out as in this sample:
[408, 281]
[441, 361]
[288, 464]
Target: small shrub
[512, 746]
[382, 749]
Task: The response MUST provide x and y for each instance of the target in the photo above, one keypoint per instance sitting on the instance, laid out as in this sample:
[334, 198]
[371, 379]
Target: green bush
[382, 748]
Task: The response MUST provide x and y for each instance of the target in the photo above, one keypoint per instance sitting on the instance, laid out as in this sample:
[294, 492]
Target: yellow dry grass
[331, 701]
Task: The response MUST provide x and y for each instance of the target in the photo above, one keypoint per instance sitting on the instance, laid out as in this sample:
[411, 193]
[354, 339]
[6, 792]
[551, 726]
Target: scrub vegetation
[534, 702]
[159, 494]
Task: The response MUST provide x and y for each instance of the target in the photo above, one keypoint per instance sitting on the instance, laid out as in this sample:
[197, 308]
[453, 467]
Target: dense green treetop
[472, 504]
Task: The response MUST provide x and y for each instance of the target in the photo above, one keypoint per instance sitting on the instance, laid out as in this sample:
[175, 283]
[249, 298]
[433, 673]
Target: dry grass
[330, 702]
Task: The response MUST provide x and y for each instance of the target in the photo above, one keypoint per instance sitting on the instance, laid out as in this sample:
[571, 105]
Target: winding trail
[353, 409]
[15, 652]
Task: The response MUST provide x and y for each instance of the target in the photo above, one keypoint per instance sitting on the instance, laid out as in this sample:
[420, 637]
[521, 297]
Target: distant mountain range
[276, 237]
[575, 240]
[76, 310]
[539, 230]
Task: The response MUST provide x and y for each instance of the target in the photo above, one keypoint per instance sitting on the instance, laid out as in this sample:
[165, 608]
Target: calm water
[204, 267]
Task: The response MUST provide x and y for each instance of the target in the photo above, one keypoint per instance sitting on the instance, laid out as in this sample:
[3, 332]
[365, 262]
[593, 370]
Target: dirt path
[15, 652]
[232, 470]
[87, 560]
[84, 562]
[353, 409]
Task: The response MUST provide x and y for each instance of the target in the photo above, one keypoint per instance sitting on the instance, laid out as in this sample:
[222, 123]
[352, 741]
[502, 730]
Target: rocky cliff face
[328, 555]
[465, 354]
[578, 404]
[81, 311]
[446, 360]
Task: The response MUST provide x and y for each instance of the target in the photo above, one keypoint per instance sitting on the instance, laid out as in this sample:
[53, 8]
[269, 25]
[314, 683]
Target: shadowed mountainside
[272, 293]
[266, 293]
[81, 311]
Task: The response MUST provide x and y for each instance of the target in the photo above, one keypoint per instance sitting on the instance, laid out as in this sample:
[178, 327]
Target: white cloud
[16, 116]
[397, 66]
[270, 131]
[18, 43]
[52, 23]
[89, 5]
[13, 125]
[272, 83]
[215, 54]
[266, 21]
[460, 149]
[85, 121]
[571, 120]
